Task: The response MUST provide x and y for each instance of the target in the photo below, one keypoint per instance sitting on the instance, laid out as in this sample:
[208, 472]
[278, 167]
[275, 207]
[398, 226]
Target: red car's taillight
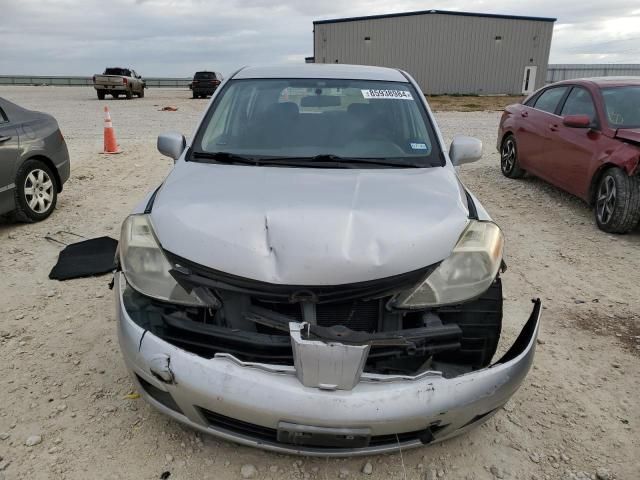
[124, 81]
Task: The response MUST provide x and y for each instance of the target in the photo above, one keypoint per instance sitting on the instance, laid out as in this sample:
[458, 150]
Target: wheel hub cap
[38, 191]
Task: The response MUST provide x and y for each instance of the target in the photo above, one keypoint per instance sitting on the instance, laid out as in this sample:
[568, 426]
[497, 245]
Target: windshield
[310, 118]
[623, 106]
[205, 76]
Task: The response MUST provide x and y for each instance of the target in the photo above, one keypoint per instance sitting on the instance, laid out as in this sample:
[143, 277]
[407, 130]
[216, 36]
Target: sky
[174, 38]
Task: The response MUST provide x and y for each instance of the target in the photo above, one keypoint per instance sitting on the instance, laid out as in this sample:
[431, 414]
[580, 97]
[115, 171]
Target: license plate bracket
[310, 436]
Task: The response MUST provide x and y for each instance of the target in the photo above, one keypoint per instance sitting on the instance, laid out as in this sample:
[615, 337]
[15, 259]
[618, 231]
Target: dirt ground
[470, 103]
[63, 379]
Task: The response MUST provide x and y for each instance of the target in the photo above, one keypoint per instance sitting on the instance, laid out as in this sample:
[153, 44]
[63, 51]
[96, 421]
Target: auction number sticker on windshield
[388, 94]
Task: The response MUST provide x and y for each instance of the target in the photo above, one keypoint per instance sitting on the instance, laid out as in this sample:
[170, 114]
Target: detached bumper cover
[268, 407]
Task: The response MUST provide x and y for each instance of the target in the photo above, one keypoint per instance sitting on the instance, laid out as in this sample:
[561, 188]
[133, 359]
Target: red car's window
[548, 100]
[579, 102]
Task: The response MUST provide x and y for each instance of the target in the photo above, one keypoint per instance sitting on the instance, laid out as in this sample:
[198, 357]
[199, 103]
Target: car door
[576, 149]
[9, 154]
[542, 121]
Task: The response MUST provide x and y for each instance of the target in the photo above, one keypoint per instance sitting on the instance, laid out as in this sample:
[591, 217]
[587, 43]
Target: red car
[584, 137]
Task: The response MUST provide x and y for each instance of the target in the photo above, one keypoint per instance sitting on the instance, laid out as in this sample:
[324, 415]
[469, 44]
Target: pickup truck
[119, 81]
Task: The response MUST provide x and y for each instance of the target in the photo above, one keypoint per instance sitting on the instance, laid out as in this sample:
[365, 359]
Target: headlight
[465, 274]
[145, 266]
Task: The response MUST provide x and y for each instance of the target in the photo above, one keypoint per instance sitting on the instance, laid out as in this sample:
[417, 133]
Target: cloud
[177, 37]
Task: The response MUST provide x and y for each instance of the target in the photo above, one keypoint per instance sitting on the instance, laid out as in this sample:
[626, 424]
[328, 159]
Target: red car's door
[576, 149]
[536, 129]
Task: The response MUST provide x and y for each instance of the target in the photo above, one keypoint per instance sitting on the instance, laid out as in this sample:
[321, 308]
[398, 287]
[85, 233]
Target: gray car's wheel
[128, 94]
[36, 191]
[100, 94]
[141, 94]
[509, 158]
[617, 202]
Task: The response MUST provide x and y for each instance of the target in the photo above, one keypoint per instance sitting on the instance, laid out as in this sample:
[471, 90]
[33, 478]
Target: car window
[579, 102]
[205, 75]
[548, 100]
[622, 105]
[303, 118]
[116, 71]
[3, 116]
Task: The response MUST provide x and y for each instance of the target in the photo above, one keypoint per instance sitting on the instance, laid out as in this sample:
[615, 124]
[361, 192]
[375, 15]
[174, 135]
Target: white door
[529, 80]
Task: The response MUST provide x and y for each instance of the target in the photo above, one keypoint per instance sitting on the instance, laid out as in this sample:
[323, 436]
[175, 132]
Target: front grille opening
[257, 432]
[158, 395]
[361, 315]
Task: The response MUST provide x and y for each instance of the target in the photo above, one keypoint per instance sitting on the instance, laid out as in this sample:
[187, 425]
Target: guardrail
[77, 81]
[568, 71]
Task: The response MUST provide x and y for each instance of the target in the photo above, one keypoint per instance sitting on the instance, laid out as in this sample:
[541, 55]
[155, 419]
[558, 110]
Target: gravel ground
[64, 411]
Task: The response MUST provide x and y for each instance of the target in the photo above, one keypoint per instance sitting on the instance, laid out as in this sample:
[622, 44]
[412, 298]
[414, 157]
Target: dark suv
[205, 83]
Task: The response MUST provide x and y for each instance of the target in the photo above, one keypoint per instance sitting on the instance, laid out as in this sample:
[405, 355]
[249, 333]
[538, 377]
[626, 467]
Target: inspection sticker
[392, 94]
[419, 146]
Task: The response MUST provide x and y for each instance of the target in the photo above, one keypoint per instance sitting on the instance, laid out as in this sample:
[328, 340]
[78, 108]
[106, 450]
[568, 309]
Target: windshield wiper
[226, 157]
[328, 157]
[318, 161]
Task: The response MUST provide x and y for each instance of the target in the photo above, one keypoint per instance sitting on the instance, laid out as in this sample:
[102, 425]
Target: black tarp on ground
[85, 259]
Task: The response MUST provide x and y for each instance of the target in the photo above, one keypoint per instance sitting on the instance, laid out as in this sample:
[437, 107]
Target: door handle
[524, 114]
[553, 127]
[4, 139]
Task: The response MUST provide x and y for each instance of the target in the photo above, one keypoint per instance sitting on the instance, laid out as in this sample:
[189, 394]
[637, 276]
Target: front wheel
[36, 192]
[509, 158]
[617, 205]
[100, 94]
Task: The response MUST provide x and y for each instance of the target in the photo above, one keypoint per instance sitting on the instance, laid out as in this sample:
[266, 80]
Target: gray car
[34, 162]
[312, 277]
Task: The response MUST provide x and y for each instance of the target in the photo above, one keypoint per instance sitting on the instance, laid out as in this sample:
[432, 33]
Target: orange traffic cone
[110, 143]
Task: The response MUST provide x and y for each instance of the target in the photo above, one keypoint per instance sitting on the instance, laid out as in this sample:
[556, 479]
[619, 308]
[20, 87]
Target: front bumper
[254, 404]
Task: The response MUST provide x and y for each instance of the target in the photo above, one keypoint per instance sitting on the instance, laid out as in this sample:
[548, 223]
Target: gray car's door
[9, 153]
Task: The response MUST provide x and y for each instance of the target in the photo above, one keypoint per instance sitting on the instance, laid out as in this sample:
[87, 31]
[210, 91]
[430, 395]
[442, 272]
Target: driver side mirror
[465, 150]
[172, 144]
[577, 121]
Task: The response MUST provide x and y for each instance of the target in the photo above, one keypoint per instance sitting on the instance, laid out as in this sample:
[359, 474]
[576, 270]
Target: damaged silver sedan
[312, 277]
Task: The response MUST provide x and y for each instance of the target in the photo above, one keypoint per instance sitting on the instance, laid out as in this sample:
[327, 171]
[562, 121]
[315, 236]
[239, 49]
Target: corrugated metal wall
[567, 71]
[444, 53]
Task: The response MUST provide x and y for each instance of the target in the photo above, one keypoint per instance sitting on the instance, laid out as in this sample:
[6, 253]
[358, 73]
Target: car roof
[603, 81]
[322, 70]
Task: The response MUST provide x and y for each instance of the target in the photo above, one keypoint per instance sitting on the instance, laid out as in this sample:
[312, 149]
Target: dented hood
[630, 134]
[305, 226]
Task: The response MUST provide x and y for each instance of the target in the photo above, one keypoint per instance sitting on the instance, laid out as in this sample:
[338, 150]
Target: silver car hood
[304, 226]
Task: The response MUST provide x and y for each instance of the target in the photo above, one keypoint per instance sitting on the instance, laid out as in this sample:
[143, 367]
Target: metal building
[446, 52]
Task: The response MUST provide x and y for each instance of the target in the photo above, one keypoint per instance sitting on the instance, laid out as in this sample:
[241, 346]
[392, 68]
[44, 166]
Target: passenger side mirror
[172, 144]
[576, 121]
[465, 150]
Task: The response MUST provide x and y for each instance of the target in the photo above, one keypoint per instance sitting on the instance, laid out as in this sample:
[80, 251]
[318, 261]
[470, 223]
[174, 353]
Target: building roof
[440, 12]
[323, 70]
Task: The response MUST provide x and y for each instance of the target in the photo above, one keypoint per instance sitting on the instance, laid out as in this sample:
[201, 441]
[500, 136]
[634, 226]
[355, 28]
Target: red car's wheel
[617, 202]
[509, 158]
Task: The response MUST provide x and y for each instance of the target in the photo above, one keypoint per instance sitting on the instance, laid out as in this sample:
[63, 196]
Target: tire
[509, 158]
[194, 95]
[100, 94]
[617, 201]
[141, 94]
[128, 94]
[36, 191]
